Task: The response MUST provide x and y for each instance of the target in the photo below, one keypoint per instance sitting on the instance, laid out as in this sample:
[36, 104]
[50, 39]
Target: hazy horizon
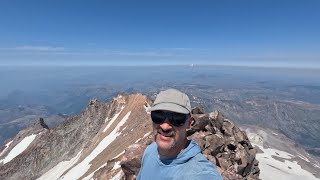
[161, 65]
[51, 78]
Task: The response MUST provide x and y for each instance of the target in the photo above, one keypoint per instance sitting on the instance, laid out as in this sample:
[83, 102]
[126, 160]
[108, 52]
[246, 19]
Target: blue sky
[282, 33]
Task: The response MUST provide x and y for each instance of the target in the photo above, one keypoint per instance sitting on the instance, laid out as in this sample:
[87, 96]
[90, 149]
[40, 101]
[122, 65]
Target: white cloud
[40, 48]
[34, 48]
[182, 49]
[150, 52]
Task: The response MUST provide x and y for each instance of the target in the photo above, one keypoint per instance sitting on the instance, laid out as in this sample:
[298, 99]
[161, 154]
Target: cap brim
[169, 107]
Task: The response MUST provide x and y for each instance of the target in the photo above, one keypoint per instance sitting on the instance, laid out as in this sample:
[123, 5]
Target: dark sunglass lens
[179, 119]
[158, 117]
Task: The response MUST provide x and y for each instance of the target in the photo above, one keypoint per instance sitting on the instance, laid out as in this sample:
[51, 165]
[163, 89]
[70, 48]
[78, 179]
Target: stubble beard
[170, 148]
[172, 145]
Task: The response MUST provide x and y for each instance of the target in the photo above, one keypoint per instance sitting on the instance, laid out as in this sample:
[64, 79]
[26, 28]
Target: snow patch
[316, 165]
[113, 119]
[19, 148]
[275, 134]
[59, 169]
[147, 134]
[90, 176]
[303, 157]
[7, 146]
[118, 155]
[117, 98]
[116, 165]
[117, 176]
[137, 140]
[147, 107]
[255, 138]
[81, 168]
[274, 169]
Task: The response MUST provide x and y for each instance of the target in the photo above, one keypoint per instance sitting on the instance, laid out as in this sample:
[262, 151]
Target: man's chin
[164, 143]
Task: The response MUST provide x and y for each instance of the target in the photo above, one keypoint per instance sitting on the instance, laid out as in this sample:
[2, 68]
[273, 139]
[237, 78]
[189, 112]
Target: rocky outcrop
[221, 142]
[41, 124]
[131, 160]
[225, 145]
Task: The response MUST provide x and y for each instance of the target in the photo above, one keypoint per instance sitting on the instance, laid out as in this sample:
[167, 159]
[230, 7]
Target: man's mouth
[167, 133]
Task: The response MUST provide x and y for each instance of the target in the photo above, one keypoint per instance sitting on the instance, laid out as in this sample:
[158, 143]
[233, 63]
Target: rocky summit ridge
[107, 140]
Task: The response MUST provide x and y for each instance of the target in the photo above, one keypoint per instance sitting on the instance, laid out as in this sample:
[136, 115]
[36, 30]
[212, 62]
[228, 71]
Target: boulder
[197, 110]
[131, 160]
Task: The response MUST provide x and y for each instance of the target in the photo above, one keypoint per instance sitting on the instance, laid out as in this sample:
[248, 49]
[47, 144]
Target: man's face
[169, 138]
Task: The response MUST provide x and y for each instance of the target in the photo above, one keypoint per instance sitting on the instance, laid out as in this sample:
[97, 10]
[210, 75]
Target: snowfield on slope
[59, 169]
[90, 176]
[81, 168]
[113, 119]
[19, 148]
[271, 168]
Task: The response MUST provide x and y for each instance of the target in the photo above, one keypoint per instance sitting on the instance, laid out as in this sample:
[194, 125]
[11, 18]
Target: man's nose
[166, 125]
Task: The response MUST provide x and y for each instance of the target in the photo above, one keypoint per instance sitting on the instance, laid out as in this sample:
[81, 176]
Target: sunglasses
[175, 119]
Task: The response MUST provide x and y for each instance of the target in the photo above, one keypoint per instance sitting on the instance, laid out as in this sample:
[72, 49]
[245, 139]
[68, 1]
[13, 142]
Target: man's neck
[169, 154]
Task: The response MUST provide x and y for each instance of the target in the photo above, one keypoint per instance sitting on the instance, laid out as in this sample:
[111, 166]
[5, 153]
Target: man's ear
[190, 121]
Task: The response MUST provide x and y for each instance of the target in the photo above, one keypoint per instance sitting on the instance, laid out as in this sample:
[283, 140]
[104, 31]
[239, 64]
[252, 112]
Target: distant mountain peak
[94, 101]
[40, 124]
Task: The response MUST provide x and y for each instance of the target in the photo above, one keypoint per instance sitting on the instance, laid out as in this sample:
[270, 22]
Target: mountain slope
[85, 133]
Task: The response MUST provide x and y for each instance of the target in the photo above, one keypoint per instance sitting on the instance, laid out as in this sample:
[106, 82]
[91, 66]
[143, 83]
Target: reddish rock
[211, 159]
[231, 176]
[239, 135]
[199, 138]
[227, 127]
[200, 122]
[197, 110]
[224, 163]
[216, 119]
[131, 160]
[213, 143]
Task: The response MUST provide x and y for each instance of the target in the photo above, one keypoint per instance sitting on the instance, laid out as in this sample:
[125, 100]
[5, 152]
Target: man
[172, 155]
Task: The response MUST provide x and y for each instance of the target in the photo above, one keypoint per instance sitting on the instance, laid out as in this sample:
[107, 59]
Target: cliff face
[106, 141]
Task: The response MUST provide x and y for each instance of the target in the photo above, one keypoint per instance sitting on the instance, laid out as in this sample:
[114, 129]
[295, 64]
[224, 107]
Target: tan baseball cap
[172, 100]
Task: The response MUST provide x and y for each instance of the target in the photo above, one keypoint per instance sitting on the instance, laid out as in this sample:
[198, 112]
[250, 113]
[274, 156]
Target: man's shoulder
[201, 168]
[151, 148]
[200, 161]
